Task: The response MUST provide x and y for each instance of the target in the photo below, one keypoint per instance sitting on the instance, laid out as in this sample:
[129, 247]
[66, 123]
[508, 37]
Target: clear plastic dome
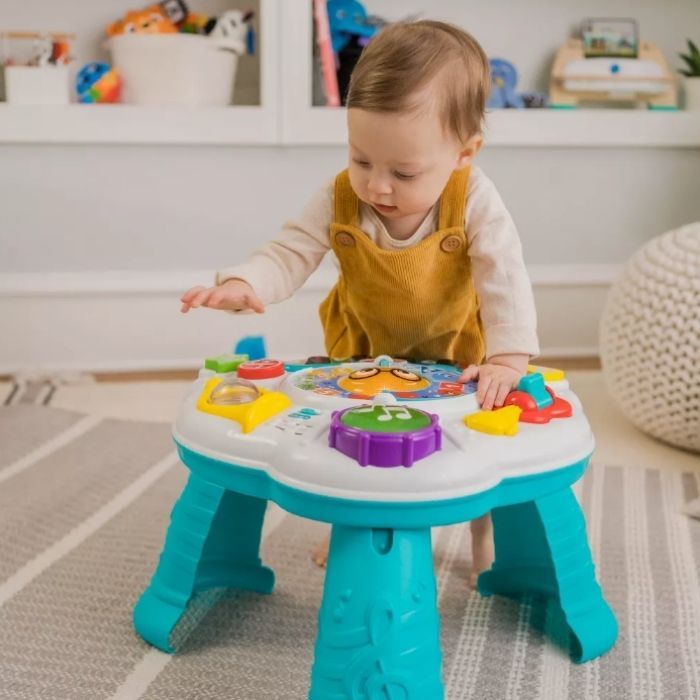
[233, 392]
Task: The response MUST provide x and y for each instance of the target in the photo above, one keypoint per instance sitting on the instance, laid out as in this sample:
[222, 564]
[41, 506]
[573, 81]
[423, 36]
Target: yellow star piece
[550, 374]
[502, 421]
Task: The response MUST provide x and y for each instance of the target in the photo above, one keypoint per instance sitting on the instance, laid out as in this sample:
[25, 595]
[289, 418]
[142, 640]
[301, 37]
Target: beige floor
[618, 441]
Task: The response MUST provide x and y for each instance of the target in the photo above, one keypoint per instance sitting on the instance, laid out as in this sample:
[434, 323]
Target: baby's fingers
[482, 389]
[504, 389]
[469, 373]
[187, 297]
[254, 303]
[219, 299]
[490, 394]
[202, 298]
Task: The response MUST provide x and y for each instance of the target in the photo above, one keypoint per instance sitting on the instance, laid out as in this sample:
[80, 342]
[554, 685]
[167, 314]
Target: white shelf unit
[305, 124]
[286, 116]
[531, 128]
[129, 124]
[132, 124]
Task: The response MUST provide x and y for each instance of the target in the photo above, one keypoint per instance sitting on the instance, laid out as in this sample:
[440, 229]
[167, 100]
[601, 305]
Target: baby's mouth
[383, 208]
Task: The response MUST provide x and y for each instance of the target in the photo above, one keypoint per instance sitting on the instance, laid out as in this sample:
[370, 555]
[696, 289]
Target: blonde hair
[406, 57]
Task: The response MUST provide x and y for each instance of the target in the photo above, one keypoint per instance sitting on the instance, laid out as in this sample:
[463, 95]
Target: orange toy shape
[373, 380]
[152, 20]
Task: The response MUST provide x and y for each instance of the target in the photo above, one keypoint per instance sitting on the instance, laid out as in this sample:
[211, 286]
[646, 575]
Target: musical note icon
[400, 412]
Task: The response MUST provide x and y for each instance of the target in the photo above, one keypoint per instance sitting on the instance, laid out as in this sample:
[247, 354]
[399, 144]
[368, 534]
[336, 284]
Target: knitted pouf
[650, 338]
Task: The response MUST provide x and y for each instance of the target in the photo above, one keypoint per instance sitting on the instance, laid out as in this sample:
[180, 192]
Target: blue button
[614, 68]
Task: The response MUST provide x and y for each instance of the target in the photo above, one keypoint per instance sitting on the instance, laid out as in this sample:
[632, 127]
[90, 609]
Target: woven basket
[650, 338]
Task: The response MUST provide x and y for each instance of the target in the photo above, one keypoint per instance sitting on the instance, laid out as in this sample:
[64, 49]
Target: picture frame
[610, 38]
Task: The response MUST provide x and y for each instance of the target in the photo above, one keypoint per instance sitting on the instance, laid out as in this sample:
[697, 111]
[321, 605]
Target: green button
[225, 363]
[395, 418]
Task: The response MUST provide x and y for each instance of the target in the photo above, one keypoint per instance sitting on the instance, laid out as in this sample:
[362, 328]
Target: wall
[164, 213]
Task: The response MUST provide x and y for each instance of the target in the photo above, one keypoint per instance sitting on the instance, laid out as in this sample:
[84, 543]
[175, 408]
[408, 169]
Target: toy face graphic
[152, 20]
[373, 380]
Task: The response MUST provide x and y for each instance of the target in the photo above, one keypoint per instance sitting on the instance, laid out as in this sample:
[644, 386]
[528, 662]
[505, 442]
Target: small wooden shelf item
[576, 79]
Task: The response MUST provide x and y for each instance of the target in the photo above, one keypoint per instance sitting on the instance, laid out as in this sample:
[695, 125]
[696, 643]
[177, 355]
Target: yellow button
[502, 421]
[345, 239]
[451, 243]
[550, 374]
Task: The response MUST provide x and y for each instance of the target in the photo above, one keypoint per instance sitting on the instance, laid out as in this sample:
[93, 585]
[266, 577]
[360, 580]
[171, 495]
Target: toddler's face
[400, 163]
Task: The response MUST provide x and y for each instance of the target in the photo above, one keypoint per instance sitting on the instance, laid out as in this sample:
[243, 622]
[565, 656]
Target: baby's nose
[379, 185]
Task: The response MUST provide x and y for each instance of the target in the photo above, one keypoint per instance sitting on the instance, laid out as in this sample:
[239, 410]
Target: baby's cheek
[357, 182]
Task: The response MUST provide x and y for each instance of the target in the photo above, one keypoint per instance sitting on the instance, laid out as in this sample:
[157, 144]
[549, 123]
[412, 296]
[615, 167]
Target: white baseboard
[127, 321]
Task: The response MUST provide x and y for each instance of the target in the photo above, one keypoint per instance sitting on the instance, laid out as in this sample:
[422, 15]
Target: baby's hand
[496, 380]
[232, 295]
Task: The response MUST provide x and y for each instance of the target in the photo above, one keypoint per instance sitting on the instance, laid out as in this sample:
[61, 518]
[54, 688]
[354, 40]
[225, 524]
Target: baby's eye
[361, 163]
[404, 176]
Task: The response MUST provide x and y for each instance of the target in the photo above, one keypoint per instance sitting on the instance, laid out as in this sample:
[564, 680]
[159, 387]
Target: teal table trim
[403, 514]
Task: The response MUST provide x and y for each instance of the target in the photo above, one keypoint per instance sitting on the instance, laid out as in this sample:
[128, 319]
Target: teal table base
[378, 630]
[542, 550]
[212, 542]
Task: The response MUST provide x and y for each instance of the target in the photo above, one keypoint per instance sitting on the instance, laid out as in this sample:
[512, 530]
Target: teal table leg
[378, 633]
[542, 549]
[212, 542]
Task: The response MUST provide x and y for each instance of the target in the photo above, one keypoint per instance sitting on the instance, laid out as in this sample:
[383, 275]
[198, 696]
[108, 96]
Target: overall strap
[347, 204]
[454, 199]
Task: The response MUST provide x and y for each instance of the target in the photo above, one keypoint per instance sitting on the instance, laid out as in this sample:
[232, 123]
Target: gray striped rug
[84, 504]
[37, 388]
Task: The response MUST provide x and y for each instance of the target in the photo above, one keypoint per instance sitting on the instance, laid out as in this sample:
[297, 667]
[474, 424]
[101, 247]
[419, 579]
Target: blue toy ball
[504, 78]
[88, 75]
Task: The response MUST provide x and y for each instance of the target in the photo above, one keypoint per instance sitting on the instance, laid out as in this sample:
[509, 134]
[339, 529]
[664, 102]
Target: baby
[430, 263]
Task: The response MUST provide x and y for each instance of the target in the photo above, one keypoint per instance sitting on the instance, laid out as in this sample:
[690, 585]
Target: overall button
[345, 239]
[451, 243]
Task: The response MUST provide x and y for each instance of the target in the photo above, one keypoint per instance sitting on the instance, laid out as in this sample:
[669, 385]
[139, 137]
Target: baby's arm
[507, 305]
[275, 271]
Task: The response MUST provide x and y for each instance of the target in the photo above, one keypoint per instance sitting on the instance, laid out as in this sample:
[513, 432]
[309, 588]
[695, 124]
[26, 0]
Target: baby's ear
[469, 150]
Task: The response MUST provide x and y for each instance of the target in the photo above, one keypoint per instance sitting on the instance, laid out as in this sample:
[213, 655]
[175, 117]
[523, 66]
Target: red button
[261, 369]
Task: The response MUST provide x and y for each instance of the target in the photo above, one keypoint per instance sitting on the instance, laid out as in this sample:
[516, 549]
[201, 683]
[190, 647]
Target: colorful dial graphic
[406, 382]
[371, 380]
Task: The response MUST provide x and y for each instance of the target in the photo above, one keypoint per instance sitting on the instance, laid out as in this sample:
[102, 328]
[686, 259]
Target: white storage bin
[37, 85]
[175, 69]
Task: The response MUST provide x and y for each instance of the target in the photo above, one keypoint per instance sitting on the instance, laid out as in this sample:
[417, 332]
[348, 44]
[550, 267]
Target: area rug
[84, 505]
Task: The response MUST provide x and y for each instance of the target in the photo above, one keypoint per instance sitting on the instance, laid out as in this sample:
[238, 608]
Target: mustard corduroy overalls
[416, 302]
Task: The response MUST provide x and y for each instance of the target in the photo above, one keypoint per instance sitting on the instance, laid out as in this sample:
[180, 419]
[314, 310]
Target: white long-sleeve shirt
[507, 309]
